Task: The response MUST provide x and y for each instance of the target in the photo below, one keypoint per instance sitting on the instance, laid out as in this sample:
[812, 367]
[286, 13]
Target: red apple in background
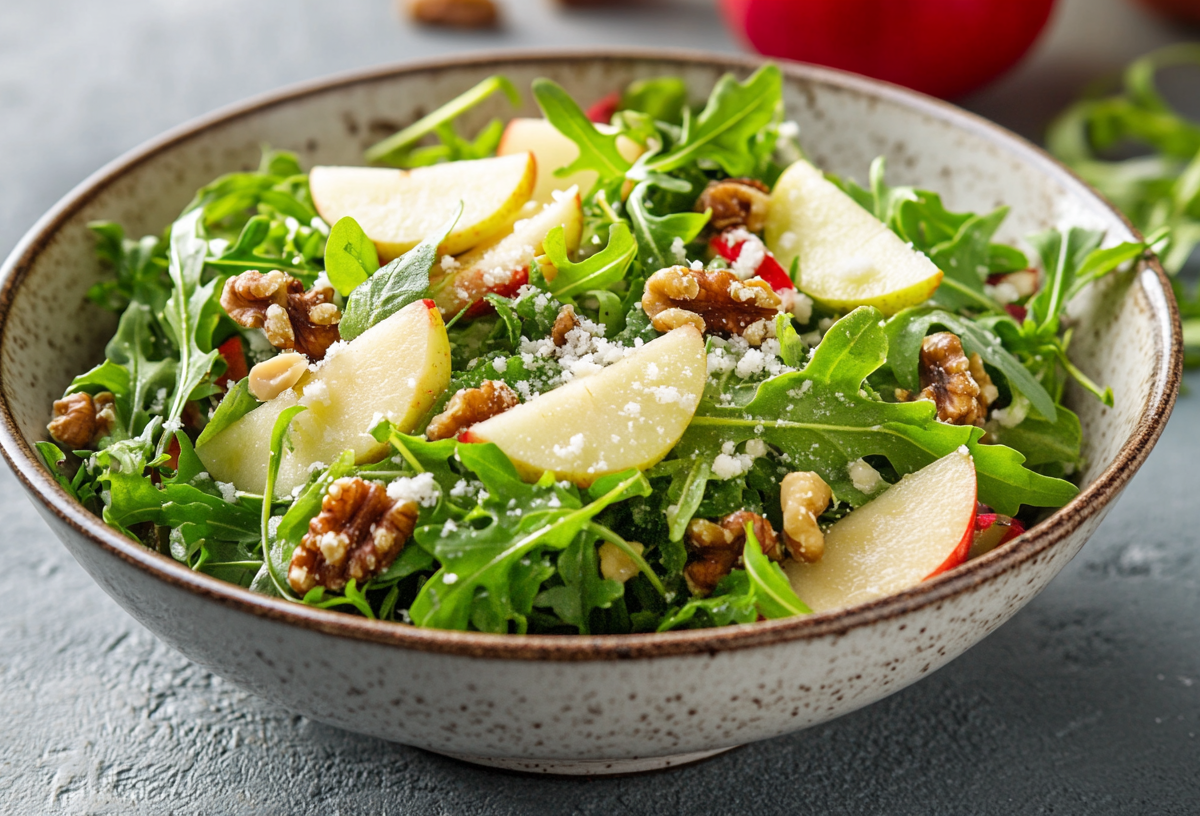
[940, 47]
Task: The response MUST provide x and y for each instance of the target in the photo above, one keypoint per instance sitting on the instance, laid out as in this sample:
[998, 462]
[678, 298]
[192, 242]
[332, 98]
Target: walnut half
[470, 406]
[81, 419]
[358, 534]
[290, 317]
[716, 547]
[958, 385]
[714, 301]
[737, 202]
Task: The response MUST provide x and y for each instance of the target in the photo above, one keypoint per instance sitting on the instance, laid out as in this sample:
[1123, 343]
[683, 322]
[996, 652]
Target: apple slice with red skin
[992, 530]
[920, 527]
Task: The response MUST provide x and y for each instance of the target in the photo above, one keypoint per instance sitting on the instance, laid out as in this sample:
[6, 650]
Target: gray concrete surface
[1087, 702]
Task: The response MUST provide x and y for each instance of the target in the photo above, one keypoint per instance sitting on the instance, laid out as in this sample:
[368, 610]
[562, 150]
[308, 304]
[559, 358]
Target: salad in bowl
[630, 368]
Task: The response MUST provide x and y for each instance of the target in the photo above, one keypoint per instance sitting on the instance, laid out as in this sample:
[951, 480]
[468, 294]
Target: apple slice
[848, 258]
[502, 266]
[397, 209]
[628, 415]
[921, 526]
[397, 368]
[554, 150]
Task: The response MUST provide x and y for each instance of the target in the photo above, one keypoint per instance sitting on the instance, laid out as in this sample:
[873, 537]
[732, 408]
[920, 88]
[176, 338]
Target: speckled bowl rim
[1168, 368]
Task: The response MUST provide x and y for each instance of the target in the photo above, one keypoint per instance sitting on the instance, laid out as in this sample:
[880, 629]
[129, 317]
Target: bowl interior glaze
[1126, 335]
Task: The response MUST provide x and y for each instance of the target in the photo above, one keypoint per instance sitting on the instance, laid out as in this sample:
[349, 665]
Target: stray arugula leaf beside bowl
[569, 376]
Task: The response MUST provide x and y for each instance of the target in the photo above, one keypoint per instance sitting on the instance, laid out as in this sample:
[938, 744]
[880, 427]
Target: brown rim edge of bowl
[1091, 500]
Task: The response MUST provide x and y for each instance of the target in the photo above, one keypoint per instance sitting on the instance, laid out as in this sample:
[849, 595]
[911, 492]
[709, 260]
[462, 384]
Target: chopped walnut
[712, 300]
[803, 496]
[358, 534]
[81, 419]
[469, 406]
[290, 317]
[960, 387]
[739, 202]
[563, 324]
[716, 547]
[455, 13]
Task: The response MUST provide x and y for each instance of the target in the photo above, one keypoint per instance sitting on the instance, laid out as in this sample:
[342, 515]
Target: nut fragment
[272, 377]
[716, 299]
[455, 13]
[717, 547]
[615, 563]
[81, 419]
[290, 317]
[563, 324]
[469, 406]
[947, 378]
[358, 534]
[803, 496]
[738, 202]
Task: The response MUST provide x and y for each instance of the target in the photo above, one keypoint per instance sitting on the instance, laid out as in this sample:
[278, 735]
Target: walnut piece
[270, 378]
[739, 202]
[81, 419]
[290, 317]
[563, 324]
[959, 386]
[455, 13]
[716, 547]
[358, 534]
[714, 301]
[803, 496]
[469, 406]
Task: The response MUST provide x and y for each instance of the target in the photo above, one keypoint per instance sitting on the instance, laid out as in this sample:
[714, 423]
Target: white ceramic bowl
[581, 704]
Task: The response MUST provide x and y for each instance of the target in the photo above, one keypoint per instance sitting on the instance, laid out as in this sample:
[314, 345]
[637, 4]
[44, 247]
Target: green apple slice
[396, 369]
[628, 415]
[554, 150]
[848, 258]
[398, 208]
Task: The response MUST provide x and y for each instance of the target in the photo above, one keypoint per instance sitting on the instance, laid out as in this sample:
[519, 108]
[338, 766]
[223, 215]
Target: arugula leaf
[773, 592]
[597, 151]
[237, 402]
[1042, 442]
[191, 314]
[583, 589]
[822, 419]
[724, 132]
[350, 256]
[397, 149]
[396, 285]
[139, 276]
[662, 98]
[732, 601]
[272, 549]
[600, 271]
[657, 235]
[1062, 254]
[907, 329]
[483, 555]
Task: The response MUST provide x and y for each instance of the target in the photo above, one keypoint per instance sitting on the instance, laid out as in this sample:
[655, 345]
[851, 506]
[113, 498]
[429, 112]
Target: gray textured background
[1087, 702]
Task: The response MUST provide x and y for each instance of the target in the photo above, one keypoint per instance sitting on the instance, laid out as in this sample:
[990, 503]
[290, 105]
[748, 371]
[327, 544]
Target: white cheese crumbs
[1003, 292]
[449, 528]
[171, 426]
[316, 392]
[697, 266]
[573, 448]
[802, 306]
[450, 264]
[461, 488]
[316, 467]
[228, 492]
[789, 129]
[322, 282]
[631, 409]
[679, 251]
[752, 362]
[450, 578]
[1014, 414]
[318, 223]
[751, 255]
[554, 501]
[421, 489]
[334, 350]
[500, 365]
[160, 399]
[756, 447]
[864, 477]
[964, 450]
